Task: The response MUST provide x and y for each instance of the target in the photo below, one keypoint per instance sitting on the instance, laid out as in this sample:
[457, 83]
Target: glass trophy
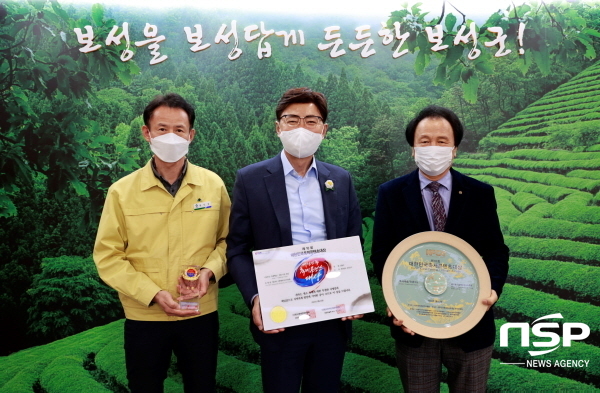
[189, 287]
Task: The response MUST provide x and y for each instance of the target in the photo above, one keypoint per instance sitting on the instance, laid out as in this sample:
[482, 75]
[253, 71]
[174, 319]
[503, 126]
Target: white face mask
[169, 147]
[300, 142]
[433, 160]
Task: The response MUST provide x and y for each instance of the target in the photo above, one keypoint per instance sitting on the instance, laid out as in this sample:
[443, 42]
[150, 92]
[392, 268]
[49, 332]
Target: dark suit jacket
[472, 216]
[260, 219]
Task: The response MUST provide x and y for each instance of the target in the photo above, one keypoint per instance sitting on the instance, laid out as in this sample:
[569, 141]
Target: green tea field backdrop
[70, 126]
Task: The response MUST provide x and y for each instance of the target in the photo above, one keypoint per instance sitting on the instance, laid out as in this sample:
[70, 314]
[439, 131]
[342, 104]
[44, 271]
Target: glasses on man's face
[309, 121]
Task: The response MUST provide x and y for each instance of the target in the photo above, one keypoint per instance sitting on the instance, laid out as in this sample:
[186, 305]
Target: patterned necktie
[439, 214]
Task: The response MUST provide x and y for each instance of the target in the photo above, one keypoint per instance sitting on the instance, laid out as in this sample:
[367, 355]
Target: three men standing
[172, 213]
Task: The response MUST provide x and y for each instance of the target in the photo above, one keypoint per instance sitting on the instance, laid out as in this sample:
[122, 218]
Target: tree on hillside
[68, 297]
[40, 60]
[501, 96]
[387, 156]
[341, 148]
[537, 33]
[342, 103]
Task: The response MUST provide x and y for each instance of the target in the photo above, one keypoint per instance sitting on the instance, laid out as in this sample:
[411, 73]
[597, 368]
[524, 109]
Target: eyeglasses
[309, 121]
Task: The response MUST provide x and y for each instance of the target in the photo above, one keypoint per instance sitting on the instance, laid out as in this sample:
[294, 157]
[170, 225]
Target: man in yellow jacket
[156, 221]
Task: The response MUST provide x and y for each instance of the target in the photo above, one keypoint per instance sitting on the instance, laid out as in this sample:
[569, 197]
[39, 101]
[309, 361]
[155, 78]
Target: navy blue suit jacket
[260, 219]
[472, 216]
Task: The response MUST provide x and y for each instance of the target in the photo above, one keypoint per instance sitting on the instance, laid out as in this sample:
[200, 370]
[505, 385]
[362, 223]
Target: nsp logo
[568, 333]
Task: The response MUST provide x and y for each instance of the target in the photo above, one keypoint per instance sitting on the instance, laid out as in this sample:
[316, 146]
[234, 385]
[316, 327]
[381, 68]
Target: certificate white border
[359, 281]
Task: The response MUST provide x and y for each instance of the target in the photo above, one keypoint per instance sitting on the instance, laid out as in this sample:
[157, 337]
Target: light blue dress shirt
[445, 191]
[305, 202]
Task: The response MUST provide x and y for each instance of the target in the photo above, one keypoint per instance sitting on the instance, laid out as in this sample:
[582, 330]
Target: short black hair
[435, 111]
[302, 95]
[171, 100]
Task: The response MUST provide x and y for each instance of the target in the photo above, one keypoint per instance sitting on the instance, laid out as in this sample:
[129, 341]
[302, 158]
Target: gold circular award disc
[435, 283]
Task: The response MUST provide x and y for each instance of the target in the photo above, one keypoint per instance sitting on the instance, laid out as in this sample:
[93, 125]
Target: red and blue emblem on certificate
[311, 271]
[312, 282]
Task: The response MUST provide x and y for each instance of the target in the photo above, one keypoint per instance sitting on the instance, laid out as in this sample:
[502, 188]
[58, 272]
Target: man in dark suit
[436, 197]
[293, 199]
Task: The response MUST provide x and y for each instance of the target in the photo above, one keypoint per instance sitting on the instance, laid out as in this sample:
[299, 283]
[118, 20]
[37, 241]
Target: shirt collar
[445, 181]
[288, 168]
[159, 177]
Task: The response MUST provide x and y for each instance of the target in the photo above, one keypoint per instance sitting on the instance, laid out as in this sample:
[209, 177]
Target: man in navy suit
[459, 205]
[293, 198]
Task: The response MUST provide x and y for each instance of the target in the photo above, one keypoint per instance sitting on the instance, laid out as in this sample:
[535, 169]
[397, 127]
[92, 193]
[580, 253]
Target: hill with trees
[70, 127]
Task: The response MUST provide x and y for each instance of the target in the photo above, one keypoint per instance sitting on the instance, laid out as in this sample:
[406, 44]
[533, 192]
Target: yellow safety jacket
[145, 235]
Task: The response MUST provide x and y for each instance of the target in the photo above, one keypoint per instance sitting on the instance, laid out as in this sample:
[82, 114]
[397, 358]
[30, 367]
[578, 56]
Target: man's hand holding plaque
[310, 282]
[436, 285]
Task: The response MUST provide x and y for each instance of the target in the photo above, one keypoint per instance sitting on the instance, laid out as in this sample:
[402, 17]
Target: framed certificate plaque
[312, 282]
[435, 283]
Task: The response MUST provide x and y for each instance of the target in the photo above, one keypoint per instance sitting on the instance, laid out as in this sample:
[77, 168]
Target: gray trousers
[421, 368]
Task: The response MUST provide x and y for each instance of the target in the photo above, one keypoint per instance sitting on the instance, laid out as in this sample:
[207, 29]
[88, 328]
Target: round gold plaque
[435, 283]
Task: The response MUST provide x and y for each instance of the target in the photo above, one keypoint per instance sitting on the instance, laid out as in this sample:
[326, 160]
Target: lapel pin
[329, 185]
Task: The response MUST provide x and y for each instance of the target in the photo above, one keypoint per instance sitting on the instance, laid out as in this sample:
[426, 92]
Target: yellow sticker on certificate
[312, 282]
[435, 283]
